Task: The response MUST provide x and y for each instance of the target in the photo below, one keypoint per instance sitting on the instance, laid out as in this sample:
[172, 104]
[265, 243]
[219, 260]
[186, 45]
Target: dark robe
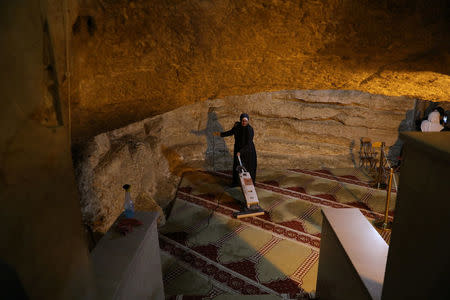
[243, 143]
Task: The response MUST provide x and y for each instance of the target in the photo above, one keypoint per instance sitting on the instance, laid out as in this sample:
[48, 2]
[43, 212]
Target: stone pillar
[418, 261]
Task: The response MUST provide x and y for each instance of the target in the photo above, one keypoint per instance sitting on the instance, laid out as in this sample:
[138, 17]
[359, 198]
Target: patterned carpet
[207, 254]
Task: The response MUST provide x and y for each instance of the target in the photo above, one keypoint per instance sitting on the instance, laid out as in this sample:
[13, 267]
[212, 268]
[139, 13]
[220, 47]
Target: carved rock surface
[137, 59]
[293, 129]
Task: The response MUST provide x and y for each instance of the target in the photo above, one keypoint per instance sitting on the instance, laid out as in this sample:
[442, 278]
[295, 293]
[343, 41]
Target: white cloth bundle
[432, 124]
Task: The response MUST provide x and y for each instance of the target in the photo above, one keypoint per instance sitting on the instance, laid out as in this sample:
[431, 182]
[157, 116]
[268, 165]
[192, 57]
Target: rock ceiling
[135, 59]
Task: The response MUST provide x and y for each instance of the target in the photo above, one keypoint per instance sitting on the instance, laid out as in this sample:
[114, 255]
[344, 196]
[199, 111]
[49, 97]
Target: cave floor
[206, 253]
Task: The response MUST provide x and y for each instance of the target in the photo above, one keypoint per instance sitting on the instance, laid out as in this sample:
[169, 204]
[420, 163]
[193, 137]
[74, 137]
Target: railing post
[385, 224]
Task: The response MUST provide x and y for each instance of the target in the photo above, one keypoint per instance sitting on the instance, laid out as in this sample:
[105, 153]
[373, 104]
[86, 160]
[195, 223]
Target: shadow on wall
[216, 148]
[217, 155]
[406, 124]
[352, 154]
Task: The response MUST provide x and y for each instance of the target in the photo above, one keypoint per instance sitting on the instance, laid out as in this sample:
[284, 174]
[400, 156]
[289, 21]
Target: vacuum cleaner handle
[240, 162]
[241, 167]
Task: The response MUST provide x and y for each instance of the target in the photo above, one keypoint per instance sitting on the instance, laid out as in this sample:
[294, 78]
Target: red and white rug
[206, 252]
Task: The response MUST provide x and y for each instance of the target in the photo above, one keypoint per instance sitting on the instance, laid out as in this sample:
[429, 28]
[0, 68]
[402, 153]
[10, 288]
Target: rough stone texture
[42, 238]
[136, 59]
[143, 202]
[303, 128]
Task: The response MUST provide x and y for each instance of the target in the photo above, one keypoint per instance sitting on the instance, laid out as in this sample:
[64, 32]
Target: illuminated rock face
[136, 59]
[293, 129]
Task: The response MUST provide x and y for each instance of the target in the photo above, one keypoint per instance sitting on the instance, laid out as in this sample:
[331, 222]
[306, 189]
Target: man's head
[244, 119]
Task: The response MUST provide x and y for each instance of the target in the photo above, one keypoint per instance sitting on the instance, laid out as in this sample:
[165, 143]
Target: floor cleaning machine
[251, 207]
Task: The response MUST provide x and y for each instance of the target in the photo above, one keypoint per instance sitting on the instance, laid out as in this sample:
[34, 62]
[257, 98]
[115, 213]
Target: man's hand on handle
[238, 154]
[216, 133]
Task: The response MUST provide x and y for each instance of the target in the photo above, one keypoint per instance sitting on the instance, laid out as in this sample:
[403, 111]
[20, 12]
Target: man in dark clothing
[243, 147]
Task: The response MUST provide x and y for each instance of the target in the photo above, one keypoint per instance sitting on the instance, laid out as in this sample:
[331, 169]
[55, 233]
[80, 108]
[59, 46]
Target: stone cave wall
[42, 238]
[136, 59]
[293, 129]
[163, 62]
